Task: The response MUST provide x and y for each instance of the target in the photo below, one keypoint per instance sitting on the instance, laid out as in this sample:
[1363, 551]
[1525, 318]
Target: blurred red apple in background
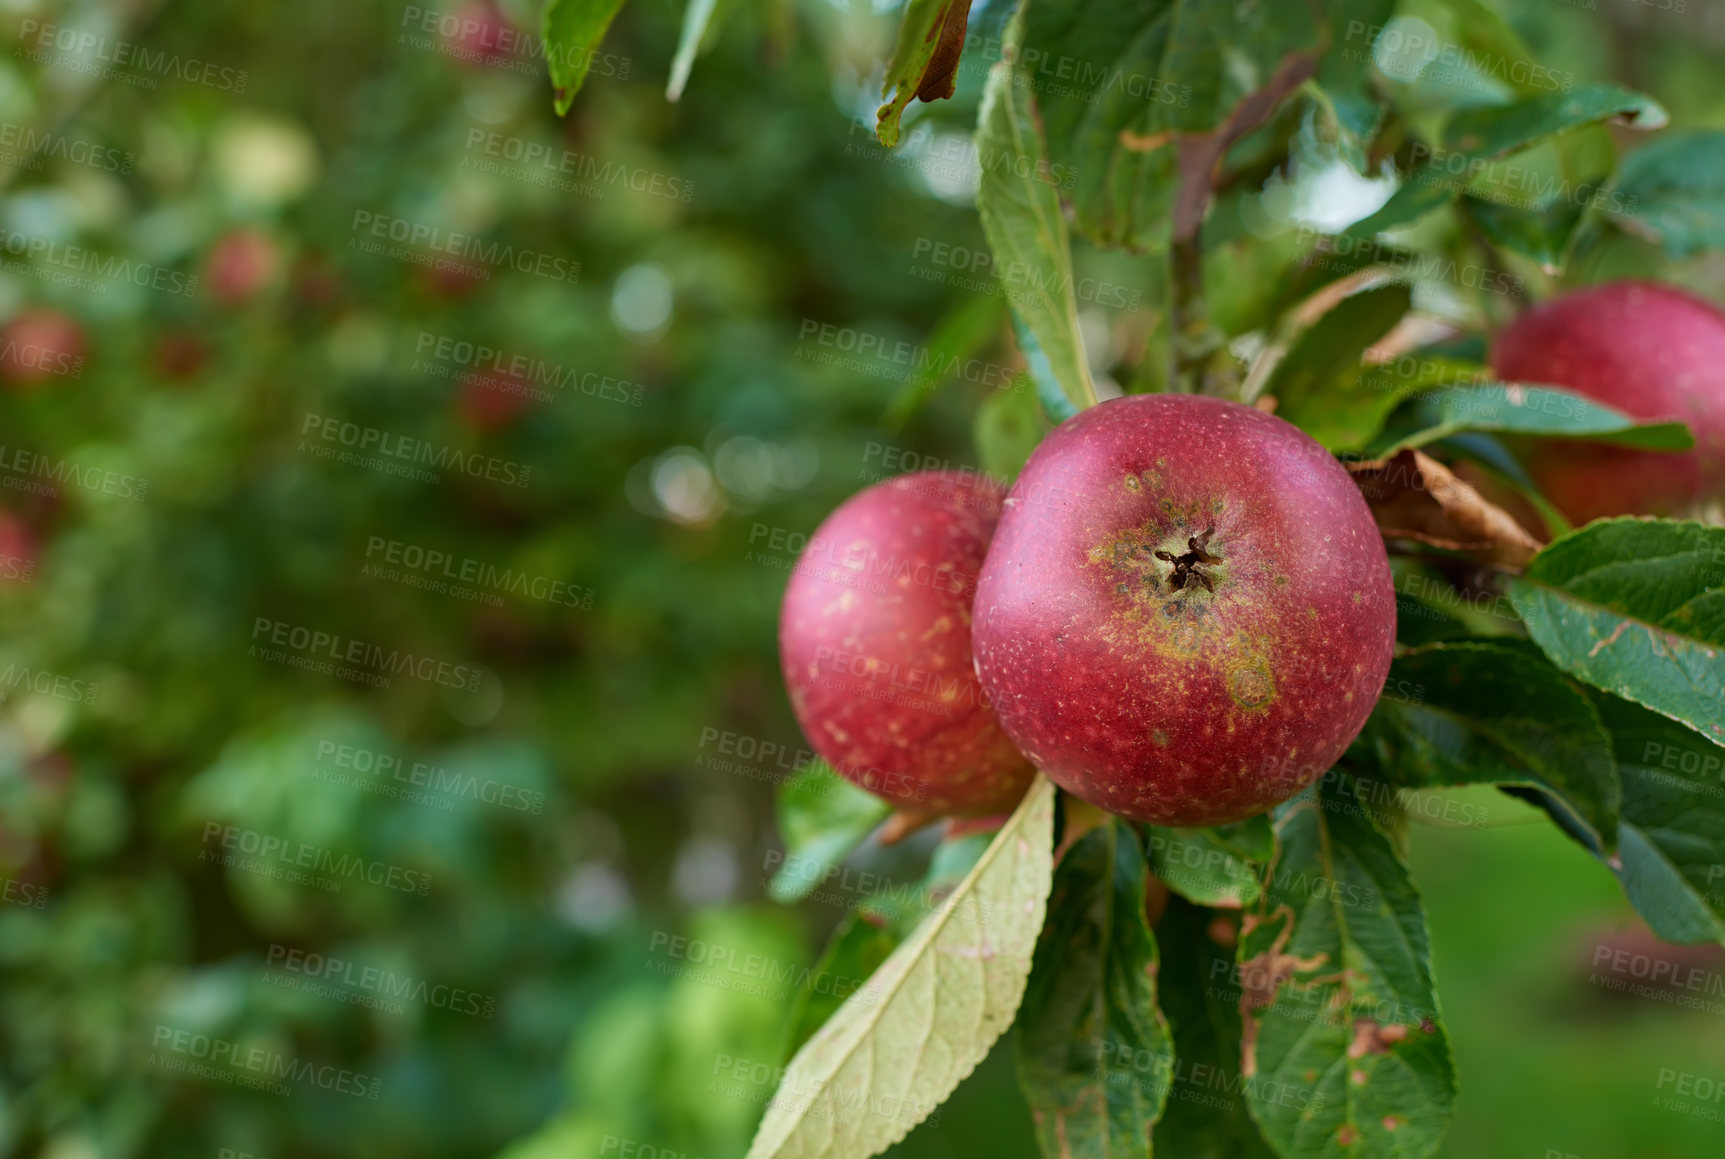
[39, 344]
[1649, 350]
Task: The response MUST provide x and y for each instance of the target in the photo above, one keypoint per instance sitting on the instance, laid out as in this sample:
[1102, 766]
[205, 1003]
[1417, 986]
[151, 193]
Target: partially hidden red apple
[1648, 350]
[1187, 612]
[874, 635]
[241, 263]
[40, 344]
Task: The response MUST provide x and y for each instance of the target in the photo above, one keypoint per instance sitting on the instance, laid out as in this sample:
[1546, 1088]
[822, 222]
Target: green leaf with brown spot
[572, 31]
[1094, 1053]
[1344, 1053]
[1636, 607]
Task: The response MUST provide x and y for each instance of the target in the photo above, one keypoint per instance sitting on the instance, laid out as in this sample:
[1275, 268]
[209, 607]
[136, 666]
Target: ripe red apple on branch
[874, 636]
[1187, 613]
[1652, 352]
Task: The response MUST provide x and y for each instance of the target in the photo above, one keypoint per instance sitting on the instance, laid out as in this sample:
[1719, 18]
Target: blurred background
[397, 487]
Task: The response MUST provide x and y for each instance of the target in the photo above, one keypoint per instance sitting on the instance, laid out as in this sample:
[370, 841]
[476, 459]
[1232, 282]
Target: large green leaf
[898, 1047]
[1094, 1053]
[822, 817]
[1026, 229]
[1486, 134]
[572, 31]
[1546, 411]
[1671, 856]
[1217, 866]
[1672, 192]
[1485, 713]
[1119, 86]
[1206, 1115]
[1337, 995]
[1325, 363]
[1636, 607]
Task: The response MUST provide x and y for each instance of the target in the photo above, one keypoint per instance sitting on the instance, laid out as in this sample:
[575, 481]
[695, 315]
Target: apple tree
[1361, 216]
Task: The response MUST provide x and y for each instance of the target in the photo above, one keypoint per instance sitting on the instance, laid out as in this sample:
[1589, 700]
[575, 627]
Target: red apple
[240, 264]
[1650, 351]
[874, 635]
[478, 33]
[40, 344]
[1187, 612]
[489, 402]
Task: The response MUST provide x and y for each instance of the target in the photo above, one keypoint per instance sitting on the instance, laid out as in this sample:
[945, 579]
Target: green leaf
[822, 817]
[1218, 866]
[1546, 411]
[1636, 607]
[1325, 362]
[1504, 129]
[1485, 713]
[696, 17]
[1345, 74]
[1206, 1115]
[1488, 134]
[1094, 1053]
[1671, 858]
[1672, 193]
[572, 31]
[1119, 85]
[1480, 27]
[1027, 231]
[926, 55]
[897, 1048]
[1008, 427]
[858, 947]
[1542, 234]
[1337, 993]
